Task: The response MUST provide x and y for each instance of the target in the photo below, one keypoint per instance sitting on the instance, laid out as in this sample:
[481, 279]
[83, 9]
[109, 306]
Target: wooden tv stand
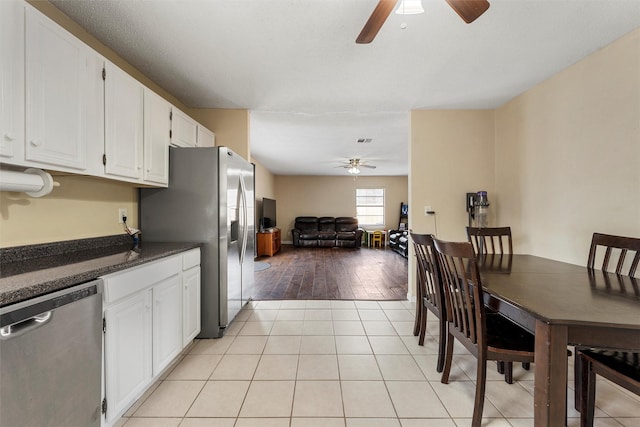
[269, 242]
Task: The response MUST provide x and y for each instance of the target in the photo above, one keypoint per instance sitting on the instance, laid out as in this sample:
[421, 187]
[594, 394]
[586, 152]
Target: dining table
[563, 305]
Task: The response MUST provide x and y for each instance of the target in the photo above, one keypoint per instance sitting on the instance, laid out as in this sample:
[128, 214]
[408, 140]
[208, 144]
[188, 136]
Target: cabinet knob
[35, 143]
[9, 137]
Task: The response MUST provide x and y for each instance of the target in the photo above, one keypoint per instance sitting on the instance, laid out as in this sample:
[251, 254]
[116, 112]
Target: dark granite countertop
[33, 270]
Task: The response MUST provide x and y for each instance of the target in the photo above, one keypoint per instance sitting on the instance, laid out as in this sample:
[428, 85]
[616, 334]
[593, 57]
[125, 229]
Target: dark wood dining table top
[561, 304]
[562, 293]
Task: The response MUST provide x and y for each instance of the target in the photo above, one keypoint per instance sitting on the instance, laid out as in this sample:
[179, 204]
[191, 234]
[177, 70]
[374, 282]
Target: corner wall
[568, 155]
[451, 154]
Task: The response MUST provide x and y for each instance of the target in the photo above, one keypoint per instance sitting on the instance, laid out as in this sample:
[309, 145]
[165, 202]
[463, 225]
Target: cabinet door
[191, 305]
[123, 123]
[127, 350]
[206, 138]
[184, 130]
[12, 81]
[157, 128]
[56, 94]
[167, 322]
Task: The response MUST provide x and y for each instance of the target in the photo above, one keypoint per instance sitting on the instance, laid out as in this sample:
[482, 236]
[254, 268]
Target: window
[370, 206]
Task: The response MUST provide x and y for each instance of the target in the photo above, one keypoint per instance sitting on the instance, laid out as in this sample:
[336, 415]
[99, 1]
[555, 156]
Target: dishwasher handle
[21, 328]
[22, 317]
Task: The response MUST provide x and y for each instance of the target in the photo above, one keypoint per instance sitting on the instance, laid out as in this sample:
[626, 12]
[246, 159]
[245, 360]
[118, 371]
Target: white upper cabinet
[157, 130]
[206, 138]
[11, 80]
[184, 130]
[60, 81]
[123, 124]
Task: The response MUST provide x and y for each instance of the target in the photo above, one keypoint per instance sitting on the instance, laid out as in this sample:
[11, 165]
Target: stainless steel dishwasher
[50, 359]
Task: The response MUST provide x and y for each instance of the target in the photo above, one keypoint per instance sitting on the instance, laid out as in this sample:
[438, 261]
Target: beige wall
[230, 126]
[568, 155]
[451, 154]
[333, 196]
[80, 207]
[560, 161]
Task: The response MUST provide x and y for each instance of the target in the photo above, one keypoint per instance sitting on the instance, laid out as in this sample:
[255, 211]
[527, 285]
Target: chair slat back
[490, 240]
[429, 275]
[626, 249]
[462, 289]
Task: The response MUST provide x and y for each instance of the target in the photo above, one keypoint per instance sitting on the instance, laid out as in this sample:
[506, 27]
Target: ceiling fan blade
[367, 166]
[469, 10]
[375, 21]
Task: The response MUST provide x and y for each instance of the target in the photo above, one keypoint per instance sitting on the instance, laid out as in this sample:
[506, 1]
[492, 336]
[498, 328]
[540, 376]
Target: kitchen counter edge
[71, 263]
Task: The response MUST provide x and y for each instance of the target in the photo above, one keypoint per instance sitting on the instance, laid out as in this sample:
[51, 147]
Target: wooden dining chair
[622, 368]
[490, 240]
[429, 292]
[493, 247]
[612, 254]
[623, 252]
[487, 337]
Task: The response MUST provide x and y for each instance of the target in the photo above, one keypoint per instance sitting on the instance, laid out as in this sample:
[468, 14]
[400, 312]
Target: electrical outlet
[122, 212]
[427, 210]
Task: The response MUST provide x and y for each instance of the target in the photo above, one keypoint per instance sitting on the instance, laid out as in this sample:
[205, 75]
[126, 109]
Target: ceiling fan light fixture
[410, 7]
[353, 170]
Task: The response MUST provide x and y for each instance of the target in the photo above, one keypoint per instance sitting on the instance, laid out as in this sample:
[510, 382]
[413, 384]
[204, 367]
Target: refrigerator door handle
[245, 226]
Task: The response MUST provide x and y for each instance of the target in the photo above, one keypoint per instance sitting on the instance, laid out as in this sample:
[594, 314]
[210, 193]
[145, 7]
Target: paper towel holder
[33, 182]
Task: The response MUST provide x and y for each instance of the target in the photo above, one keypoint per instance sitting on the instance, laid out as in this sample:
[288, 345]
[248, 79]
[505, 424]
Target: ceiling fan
[354, 165]
[468, 10]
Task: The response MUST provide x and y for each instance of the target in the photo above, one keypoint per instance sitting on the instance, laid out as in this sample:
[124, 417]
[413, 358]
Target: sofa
[399, 241]
[326, 232]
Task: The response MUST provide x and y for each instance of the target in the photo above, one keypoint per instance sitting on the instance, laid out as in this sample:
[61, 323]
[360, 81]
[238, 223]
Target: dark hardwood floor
[333, 273]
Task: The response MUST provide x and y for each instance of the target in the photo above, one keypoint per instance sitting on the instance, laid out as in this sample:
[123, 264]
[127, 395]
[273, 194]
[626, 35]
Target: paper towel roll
[34, 182]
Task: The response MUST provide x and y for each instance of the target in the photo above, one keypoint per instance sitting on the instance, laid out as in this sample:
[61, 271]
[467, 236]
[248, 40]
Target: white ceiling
[312, 91]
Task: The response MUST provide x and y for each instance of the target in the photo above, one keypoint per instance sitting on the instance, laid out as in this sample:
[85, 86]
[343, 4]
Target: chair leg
[481, 381]
[442, 342]
[416, 324]
[500, 366]
[526, 366]
[577, 379]
[587, 393]
[448, 358]
[423, 325]
[508, 372]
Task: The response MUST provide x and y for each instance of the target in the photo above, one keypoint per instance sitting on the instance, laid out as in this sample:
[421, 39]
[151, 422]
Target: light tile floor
[341, 364]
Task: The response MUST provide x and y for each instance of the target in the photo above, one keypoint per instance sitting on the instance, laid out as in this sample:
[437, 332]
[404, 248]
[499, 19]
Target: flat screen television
[268, 218]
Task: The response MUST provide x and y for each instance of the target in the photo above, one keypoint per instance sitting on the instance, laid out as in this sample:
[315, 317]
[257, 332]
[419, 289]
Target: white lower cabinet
[127, 350]
[151, 312]
[191, 305]
[167, 322]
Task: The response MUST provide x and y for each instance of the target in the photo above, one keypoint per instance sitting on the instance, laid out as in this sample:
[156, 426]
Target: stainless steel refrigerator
[210, 199]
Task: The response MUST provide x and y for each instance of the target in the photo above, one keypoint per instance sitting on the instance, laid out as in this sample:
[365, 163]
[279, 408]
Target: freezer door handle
[245, 228]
